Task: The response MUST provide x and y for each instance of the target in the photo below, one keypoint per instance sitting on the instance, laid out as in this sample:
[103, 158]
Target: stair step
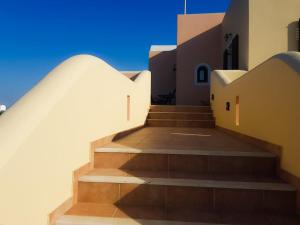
[201, 152]
[181, 175]
[180, 123]
[85, 220]
[89, 220]
[181, 115]
[267, 186]
[122, 215]
[186, 161]
[179, 108]
[85, 214]
[220, 195]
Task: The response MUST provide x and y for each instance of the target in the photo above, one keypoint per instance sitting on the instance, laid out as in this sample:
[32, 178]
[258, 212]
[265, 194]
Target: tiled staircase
[180, 116]
[182, 176]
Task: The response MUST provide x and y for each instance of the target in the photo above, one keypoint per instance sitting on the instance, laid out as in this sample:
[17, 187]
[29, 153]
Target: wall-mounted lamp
[212, 97]
[227, 106]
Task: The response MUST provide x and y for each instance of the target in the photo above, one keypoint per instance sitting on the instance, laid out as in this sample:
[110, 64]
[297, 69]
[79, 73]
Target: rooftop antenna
[185, 7]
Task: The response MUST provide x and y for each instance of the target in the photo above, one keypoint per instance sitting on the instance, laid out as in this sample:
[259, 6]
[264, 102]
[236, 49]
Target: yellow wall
[47, 134]
[236, 21]
[269, 105]
[272, 28]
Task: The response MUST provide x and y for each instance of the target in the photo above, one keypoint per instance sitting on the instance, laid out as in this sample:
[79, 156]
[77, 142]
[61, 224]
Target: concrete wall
[163, 75]
[236, 21]
[46, 135]
[273, 25]
[198, 41]
[269, 104]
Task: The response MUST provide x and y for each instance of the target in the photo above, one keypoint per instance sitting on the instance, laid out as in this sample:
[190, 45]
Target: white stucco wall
[46, 135]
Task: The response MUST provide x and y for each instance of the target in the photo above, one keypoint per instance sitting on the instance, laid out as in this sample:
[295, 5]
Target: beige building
[250, 32]
[121, 161]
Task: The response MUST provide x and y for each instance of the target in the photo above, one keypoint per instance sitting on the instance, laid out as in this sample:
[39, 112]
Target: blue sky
[36, 35]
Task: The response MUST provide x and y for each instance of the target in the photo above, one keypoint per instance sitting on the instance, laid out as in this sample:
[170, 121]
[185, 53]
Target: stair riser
[188, 165]
[170, 197]
[181, 109]
[174, 123]
[181, 116]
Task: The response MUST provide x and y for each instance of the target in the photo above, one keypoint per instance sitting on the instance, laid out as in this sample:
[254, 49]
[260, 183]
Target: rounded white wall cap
[2, 108]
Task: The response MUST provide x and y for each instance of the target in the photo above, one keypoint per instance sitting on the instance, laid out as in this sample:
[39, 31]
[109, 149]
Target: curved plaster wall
[46, 135]
[269, 104]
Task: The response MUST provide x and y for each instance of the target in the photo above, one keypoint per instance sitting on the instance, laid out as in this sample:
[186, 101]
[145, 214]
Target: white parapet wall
[46, 135]
[264, 103]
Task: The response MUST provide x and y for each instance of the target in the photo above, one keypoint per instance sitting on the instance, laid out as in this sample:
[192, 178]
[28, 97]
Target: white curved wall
[47, 134]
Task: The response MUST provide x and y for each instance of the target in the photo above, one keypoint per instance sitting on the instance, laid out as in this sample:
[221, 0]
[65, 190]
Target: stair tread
[180, 106]
[204, 152]
[110, 214]
[179, 120]
[153, 215]
[183, 112]
[196, 180]
[89, 220]
[184, 175]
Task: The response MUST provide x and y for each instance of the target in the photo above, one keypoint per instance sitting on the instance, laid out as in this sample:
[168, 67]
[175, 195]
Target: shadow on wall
[163, 79]
[293, 36]
[205, 48]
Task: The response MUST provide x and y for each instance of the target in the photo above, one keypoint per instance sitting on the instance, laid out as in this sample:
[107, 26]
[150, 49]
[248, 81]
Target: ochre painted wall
[236, 21]
[198, 41]
[47, 134]
[163, 75]
[269, 107]
[272, 28]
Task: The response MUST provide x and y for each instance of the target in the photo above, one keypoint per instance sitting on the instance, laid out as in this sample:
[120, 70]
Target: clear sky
[36, 35]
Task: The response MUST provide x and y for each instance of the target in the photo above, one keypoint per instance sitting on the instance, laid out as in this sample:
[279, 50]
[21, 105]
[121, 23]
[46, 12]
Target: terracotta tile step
[105, 214]
[182, 175]
[187, 161]
[203, 181]
[240, 152]
[181, 115]
[178, 108]
[180, 123]
[170, 193]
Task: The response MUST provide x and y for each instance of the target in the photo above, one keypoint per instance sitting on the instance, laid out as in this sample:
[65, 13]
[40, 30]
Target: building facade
[250, 32]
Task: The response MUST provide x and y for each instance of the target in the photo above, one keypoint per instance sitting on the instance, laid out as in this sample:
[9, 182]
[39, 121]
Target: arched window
[202, 74]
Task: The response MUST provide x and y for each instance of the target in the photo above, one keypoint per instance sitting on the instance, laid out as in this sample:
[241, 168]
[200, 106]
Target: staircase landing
[182, 176]
[183, 138]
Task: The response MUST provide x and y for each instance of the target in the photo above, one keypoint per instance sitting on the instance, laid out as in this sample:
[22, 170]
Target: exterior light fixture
[227, 106]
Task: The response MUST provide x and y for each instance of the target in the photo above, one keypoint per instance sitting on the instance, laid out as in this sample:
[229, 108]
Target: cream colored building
[121, 160]
[250, 32]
